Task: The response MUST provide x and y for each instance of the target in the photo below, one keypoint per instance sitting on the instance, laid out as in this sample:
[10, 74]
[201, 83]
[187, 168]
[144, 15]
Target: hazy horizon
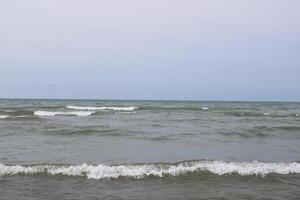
[171, 50]
[175, 100]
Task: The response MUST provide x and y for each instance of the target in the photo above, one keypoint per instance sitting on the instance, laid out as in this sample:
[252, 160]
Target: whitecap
[102, 171]
[103, 108]
[54, 113]
[3, 116]
[205, 108]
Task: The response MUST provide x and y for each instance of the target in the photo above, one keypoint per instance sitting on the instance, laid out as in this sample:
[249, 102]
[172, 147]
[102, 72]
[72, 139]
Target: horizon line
[179, 100]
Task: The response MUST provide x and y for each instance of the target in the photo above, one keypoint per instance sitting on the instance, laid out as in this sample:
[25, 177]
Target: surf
[131, 108]
[139, 171]
[55, 113]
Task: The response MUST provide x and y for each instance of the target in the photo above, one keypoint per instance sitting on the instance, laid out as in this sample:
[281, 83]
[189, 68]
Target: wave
[102, 171]
[103, 108]
[3, 116]
[258, 114]
[287, 128]
[54, 113]
[176, 108]
[261, 131]
[17, 112]
[246, 114]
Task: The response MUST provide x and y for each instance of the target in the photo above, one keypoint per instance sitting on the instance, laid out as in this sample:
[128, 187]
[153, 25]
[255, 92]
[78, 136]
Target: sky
[150, 49]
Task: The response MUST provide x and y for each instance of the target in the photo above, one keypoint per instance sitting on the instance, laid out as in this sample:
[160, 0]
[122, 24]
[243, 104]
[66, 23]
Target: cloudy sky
[154, 49]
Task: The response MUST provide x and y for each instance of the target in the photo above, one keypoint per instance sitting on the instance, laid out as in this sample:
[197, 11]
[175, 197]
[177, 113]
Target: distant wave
[103, 108]
[158, 170]
[3, 116]
[54, 113]
[205, 108]
[257, 114]
[17, 112]
[177, 108]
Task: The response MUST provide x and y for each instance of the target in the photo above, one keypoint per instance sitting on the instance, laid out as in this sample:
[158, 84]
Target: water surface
[91, 149]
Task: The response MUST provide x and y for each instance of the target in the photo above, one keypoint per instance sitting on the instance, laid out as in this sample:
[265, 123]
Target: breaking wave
[102, 171]
[3, 116]
[103, 108]
[54, 113]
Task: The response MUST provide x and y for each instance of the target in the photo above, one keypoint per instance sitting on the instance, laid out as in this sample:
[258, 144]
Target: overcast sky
[150, 49]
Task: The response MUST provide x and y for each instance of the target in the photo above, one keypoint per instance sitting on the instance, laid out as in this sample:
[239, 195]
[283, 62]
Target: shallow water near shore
[95, 149]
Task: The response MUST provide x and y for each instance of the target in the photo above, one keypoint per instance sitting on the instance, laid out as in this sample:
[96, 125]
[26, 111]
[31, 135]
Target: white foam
[205, 108]
[54, 113]
[159, 170]
[3, 116]
[103, 108]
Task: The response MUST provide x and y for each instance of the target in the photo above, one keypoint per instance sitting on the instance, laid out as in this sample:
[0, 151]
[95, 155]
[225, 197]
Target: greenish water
[95, 149]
